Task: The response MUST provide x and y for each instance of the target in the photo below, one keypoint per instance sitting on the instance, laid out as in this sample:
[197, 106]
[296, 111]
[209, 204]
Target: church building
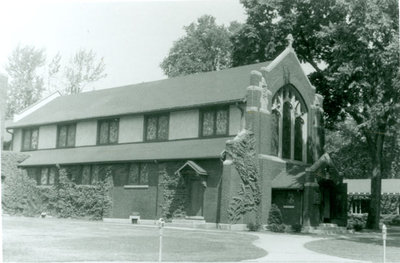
[173, 146]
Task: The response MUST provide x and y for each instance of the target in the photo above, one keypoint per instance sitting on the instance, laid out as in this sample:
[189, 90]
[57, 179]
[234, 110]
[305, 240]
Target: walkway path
[290, 248]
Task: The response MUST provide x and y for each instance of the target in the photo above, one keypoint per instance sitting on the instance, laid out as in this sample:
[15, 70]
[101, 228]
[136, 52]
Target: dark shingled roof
[183, 149]
[182, 92]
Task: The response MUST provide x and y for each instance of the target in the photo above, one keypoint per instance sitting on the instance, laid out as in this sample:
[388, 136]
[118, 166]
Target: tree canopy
[358, 41]
[26, 83]
[205, 47]
[30, 76]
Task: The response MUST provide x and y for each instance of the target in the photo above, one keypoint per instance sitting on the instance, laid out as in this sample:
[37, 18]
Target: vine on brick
[175, 196]
[242, 149]
[22, 196]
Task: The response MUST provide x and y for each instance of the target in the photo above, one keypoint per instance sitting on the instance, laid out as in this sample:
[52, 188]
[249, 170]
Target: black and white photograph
[200, 131]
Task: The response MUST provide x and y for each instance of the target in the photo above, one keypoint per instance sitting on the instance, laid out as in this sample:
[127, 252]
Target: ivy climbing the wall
[242, 149]
[175, 196]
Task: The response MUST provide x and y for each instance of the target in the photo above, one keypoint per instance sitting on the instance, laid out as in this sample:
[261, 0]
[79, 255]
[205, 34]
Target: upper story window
[156, 127]
[289, 124]
[66, 135]
[30, 139]
[107, 131]
[214, 122]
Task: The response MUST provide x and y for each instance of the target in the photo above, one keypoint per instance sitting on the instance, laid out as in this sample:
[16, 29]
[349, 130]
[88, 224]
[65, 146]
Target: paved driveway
[290, 248]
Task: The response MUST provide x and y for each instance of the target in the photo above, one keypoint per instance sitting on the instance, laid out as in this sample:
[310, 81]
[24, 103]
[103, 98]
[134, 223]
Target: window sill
[145, 186]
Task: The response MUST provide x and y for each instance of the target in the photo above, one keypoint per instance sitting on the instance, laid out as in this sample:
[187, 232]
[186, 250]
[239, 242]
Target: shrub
[391, 219]
[296, 228]
[357, 222]
[275, 223]
[253, 226]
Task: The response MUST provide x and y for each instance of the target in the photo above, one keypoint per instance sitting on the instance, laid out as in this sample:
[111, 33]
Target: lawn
[361, 246]
[35, 239]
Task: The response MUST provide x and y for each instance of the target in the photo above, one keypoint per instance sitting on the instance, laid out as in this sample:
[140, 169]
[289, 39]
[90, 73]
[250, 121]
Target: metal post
[161, 223]
[384, 232]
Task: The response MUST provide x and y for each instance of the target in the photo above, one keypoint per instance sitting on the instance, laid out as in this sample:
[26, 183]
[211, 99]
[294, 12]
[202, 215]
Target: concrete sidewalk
[290, 248]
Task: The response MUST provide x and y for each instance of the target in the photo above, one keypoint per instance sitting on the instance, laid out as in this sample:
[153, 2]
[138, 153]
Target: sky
[132, 36]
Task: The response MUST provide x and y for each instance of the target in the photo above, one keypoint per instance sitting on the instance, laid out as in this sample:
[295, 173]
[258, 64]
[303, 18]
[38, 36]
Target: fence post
[384, 233]
[161, 223]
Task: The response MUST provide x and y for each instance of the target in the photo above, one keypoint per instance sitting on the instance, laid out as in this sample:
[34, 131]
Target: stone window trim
[107, 140]
[213, 111]
[33, 146]
[158, 137]
[288, 95]
[70, 129]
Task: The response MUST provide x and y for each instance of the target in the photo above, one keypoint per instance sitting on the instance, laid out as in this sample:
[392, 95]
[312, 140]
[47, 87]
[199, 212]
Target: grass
[51, 240]
[361, 246]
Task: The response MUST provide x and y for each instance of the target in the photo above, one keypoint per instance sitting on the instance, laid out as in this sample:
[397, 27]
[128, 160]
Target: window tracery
[289, 124]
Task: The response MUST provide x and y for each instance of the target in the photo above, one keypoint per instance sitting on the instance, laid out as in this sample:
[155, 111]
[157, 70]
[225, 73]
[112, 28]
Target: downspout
[12, 138]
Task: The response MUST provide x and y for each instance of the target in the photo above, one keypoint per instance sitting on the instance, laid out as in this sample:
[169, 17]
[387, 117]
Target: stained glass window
[120, 173]
[289, 118]
[222, 122]
[162, 132]
[151, 128]
[286, 130]
[27, 140]
[113, 131]
[214, 122]
[208, 123]
[52, 175]
[86, 174]
[144, 174]
[275, 133]
[71, 135]
[134, 174]
[108, 131]
[62, 136]
[66, 135]
[95, 174]
[157, 127]
[298, 139]
[30, 139]
[44, 174]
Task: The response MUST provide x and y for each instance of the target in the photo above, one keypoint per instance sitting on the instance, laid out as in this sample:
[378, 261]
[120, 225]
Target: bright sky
[132, 36]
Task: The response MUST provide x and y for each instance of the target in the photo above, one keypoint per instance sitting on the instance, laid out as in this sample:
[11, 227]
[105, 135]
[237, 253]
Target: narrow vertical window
[221, 122]
[208, 123]
[275, 132]
[298, 139]
[286, 130]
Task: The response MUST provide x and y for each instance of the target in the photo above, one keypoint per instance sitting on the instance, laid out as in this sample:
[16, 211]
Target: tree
[83, 69]
[25, 82]
[358, 41]
[205, 47]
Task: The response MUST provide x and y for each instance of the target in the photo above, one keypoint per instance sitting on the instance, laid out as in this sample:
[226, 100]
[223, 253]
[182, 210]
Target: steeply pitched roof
[363, 186]
[188, 91]
[290, 178]
[169, 150]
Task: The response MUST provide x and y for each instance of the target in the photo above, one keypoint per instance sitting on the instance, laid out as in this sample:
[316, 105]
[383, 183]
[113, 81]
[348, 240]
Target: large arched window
[289, 124]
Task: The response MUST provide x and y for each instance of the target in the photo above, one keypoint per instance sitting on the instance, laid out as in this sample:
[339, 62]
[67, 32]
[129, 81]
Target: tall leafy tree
[205, 47]
[359, 42]
[83, 68]
[25, 81]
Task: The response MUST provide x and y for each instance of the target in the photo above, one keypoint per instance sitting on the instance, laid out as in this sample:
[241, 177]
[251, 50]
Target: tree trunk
[376, 147]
